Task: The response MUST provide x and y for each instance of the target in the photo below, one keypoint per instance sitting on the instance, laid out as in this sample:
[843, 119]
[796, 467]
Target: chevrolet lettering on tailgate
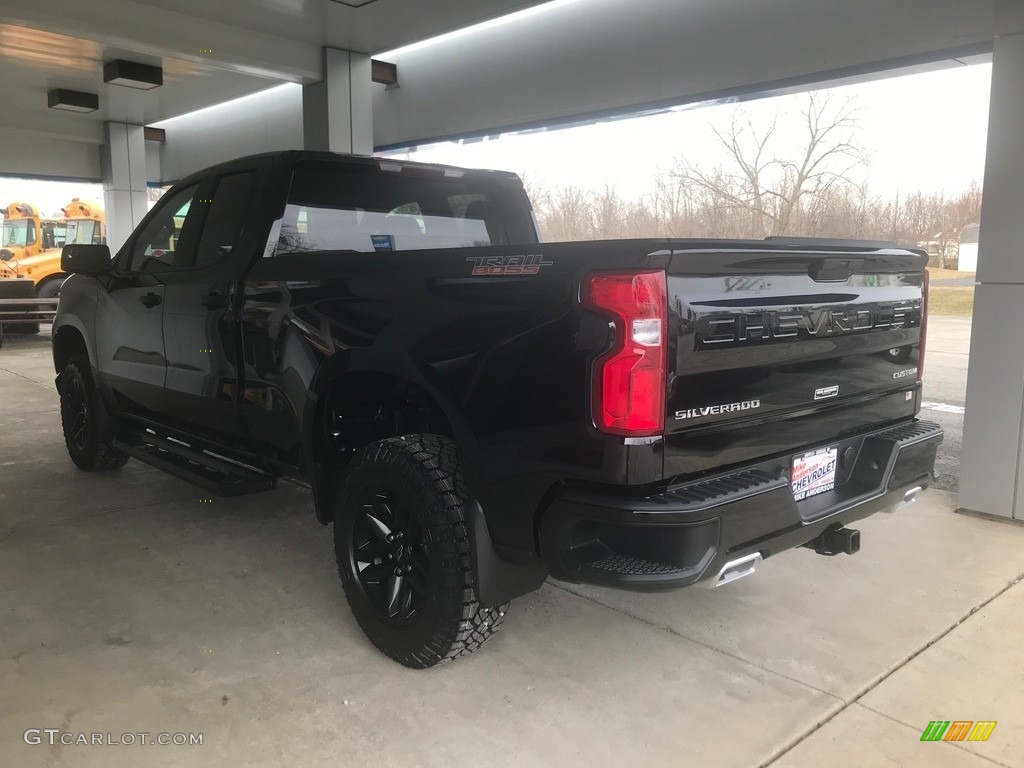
[734, 328]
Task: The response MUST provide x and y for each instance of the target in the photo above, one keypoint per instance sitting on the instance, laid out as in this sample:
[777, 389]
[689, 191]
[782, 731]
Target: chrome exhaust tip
[737, 569]
[908, 498]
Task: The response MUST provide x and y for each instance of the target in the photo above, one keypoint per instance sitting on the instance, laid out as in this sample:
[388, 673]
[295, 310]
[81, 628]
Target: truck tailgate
[778, 347]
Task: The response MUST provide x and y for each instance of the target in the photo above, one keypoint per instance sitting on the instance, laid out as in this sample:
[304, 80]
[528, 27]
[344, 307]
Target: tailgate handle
[833, 270]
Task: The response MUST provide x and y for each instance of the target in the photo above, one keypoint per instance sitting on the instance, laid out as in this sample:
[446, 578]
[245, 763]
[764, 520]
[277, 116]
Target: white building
[969, 248]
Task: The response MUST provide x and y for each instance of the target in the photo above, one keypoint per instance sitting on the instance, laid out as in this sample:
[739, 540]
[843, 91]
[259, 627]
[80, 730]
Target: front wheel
[402, 544]
[51, 288]
[84, 421]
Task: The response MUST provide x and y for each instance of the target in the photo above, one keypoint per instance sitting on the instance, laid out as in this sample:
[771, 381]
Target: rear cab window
[338, 206]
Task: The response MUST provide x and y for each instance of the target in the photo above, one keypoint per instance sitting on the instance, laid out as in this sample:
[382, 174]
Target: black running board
[211, 473]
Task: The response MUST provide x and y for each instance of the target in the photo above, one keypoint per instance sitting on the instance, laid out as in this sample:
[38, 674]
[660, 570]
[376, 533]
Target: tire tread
[105, 456]
[468, 625]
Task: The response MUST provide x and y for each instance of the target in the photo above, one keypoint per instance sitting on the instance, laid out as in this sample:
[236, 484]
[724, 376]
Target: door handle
[150, 299]
[214, 301]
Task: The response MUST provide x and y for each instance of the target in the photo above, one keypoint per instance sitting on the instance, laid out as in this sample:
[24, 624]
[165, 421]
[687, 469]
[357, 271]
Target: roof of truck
[293, 156]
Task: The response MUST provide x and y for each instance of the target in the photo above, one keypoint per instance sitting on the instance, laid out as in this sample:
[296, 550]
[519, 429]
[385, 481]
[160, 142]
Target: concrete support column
[123, 162]
[337, 112]
[992, 461]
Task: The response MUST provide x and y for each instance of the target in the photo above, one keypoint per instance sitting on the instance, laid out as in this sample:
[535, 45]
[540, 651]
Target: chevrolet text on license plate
[814, 473]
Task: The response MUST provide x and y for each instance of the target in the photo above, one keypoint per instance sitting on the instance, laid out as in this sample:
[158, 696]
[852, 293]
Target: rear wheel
[402, 546]
[84, 420]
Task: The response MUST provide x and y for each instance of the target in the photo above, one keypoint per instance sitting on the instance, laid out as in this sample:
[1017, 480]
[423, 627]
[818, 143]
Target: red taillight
[629, 381]
[924, 326]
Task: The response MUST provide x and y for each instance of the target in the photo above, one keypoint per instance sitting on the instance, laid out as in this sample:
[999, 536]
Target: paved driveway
[128, 605]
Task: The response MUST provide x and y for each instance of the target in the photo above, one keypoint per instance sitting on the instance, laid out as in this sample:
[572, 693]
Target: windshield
[19, 232]
[86, 232]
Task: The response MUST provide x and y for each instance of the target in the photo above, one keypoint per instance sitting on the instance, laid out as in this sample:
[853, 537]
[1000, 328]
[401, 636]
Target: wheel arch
[435, 411]
[69, 339]
[413, 395]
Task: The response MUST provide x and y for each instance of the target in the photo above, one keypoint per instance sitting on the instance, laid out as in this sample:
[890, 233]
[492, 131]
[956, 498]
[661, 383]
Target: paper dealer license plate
[814, 473]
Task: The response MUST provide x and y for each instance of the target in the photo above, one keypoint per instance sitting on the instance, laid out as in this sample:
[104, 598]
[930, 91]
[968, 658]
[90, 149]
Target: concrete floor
[945, 384]
[131, 605]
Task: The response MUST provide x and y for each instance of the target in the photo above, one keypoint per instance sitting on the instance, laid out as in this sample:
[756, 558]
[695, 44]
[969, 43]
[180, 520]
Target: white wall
[263, 122]
[604, 55]
[34, 156]
[153, 161]
[991, 459]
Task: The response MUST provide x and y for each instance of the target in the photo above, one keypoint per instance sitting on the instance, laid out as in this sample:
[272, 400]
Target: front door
[130, 343]
[129, 335]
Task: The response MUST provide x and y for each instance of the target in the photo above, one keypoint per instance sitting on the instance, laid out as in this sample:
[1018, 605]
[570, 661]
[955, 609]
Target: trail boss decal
[718, 410]
[529, 264]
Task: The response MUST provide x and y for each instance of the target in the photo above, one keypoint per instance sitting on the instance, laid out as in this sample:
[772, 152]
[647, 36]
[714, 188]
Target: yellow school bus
[22, 232]
[82, 223]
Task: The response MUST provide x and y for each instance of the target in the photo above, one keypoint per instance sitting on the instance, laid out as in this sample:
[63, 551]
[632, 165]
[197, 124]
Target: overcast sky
[922, 132]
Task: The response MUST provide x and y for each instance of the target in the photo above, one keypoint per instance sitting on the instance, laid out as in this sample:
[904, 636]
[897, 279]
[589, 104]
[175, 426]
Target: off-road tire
[84, 421]
[444, 619]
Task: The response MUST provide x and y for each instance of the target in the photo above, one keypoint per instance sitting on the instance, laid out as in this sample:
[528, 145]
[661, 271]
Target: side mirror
[85, 259]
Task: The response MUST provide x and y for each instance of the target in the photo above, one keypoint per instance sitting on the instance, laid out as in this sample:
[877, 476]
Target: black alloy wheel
[401, 540]
[76, 406]
[88, 430]
[389, 555]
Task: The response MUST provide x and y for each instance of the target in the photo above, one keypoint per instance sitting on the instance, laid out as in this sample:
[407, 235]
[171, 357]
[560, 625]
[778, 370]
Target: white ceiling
[211, 50]
[34, 62]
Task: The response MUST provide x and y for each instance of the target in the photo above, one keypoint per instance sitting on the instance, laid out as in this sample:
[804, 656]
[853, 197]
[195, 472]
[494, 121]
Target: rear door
[774, 350]
[199, 321]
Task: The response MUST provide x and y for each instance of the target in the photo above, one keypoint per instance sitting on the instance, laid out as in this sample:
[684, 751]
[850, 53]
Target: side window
[166, 240]
[225, 216]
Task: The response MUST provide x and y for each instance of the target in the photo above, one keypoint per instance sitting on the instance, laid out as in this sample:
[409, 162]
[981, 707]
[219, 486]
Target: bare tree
[539, 195]
[569, 215]
[768, 188]
[609, 214]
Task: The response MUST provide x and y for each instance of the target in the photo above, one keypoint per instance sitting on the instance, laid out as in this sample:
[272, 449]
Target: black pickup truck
[475, 410]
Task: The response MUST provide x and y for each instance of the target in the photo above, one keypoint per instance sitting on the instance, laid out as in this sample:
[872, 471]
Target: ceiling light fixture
[132, 74]
[73, 101]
